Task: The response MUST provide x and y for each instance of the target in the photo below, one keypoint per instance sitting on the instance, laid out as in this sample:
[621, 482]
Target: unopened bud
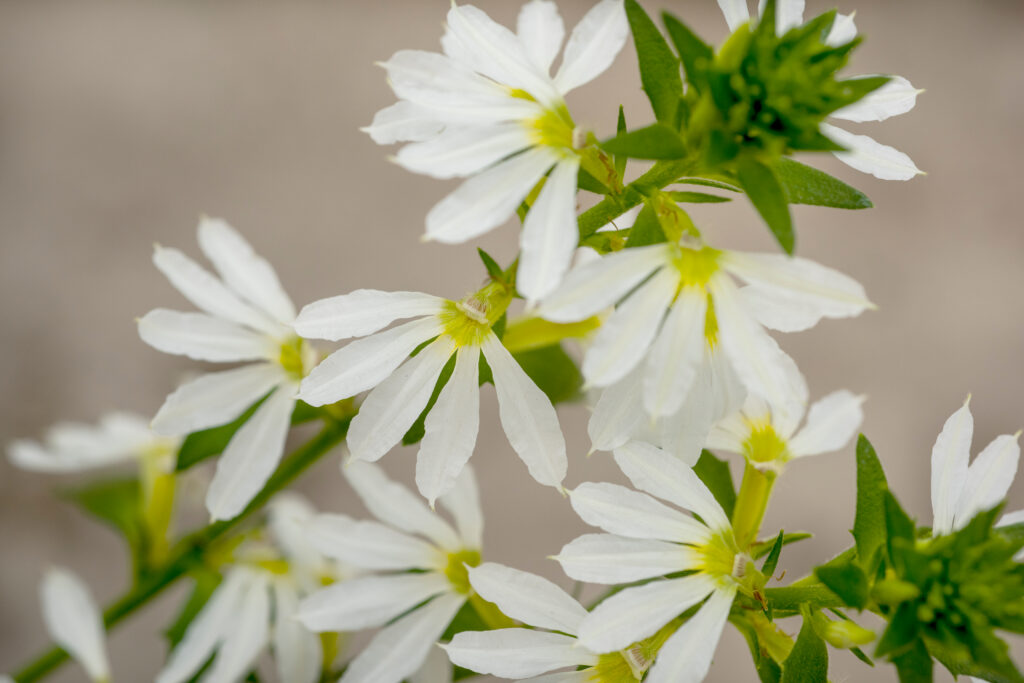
[847, 634]
[894, 591]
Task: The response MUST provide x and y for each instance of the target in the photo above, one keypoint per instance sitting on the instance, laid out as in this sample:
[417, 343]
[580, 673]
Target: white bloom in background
[646, 540]
[246, 316]
[488, 108]
[705, 308]
[769, 441]
[896, 97]
[401, 388]
[255, 606]
[74, 622]
[74, 447]
[961, 490]
[409, 536]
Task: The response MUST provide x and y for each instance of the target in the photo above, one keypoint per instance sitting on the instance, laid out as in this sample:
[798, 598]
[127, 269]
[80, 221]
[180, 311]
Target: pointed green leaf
[762, 548]
[693, 51]
[772, 561]
[646, 229]
[118, 504]
[493, 269]
[803, 184]
[708, 182]
[586, 181]
[717, 476]
[869, 521]
[915, 665]
[656, 141]
[619, 162]
[418, 429]
[765, 192]
[659, 67]
[808, 662]
[697, 197]
[848, 581]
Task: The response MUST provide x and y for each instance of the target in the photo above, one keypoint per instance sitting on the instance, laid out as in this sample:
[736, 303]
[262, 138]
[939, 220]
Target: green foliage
[659, 67]
[766, 194]
[697, 197]
[553, 371]
[619, 161]
[586, 181]
[717, 476]
[646, 229]
[656, 141]
[869, 529]
[808, 662]
[802, 184]
[696, 55]
[118, 504]
[772, 561]
[418, 429]
[762, 548]
[493, 269]
[848, 581]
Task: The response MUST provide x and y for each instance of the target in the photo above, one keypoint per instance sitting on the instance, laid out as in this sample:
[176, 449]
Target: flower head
[74, 622]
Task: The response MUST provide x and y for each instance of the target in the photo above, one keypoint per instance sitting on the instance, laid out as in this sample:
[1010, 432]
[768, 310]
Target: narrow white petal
[393, 405]
[403, 121]
[676, 354]
[463, 502]
[435, 668]
[596, 285]
[609, 559]
[727, 391]
[549, 233]
[843, 31]
[685, 432]
[32, 456]
[896, 97]
[203, 337]
[74, 621]
[248, 635]
[950, 455]
[622, 511]
[245, 271]
[489, 198]
[527, 597]
[831, 423]
[1011, 518]
[730, 434]
[289, 515]
[297, 652]
[462, 151]
[653, 470]
[988, 478]
[624, 338]
[364, 363]
[779, 313]
[413, 635]
[541, 32]
[636, 613]
[618, 413]
[736, 12]
[686, 655]
[868, 156]
[516, 652]
[368, 601]
[527, 416]
[362, 312]
[451, 428]
[431, 80]
[394, 504]
[251, 456]
[788, 14]
[593, 45]
[371, 545]
[215, 398]
[581, 676]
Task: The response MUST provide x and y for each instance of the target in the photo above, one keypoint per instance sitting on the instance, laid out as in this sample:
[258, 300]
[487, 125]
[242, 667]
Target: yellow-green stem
[157, 509]
[489, 613]
[751, 503]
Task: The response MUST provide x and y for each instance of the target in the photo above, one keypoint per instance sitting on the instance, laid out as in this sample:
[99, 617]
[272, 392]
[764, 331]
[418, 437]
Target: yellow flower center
[468, 322]
[696, 266]
[456, 571]
[630, 664]
[293, 357]
[711, 324]
[553, 128]
[718, 556]
[764, 445]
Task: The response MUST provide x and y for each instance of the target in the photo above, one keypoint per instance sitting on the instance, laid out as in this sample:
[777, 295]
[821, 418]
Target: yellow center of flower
[696, 266]
[629, 665]
[292, 357]
[718, 556]
[764, 444]
[553, 128]
[468, 322]
[456, 571]
[711, 325]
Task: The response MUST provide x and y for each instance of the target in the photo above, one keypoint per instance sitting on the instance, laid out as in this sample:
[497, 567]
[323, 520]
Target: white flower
[255, 606]
[247, 317]
[960, 491]
[399, 394]
[74, 622]
[521, 652]
[488, 108]
[896, 97]
[646, 540]
[409, 536]
[705, 308]
[74, 447]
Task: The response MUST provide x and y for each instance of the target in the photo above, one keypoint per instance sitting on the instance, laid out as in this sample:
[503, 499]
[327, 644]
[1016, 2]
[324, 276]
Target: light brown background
[120, 122]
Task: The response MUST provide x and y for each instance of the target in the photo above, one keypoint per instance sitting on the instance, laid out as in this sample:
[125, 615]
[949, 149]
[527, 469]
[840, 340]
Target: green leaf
[553, 371]
[765, 192]
[869, 520]
[717, 476]
[697, 197]
[901, 633]
[418, 428]
[646, 229]
[803, 184]
[656, 141]
[117, 503]
[659, 67]
[958, 666]
[761, 548]
[848, 581]
[199, 446]
[617, 160]
[493, 269]
[205, 582]
[586, 181]
[772, 561]
[693, 51]
[915, 665]
[808, 662]
[898, 525]
[708, 182]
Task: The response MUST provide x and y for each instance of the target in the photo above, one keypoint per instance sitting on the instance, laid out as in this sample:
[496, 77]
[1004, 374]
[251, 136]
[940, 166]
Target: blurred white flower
[74, 622]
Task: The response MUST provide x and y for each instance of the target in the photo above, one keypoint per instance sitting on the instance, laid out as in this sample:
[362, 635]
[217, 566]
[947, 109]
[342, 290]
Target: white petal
[653, 470]
[433, 80]
[593, 287]
[413, 635]
[581, 676]
[451, 428]
[527, 416]
[541, 32]
[610, 559]
[676, 354]
[435, 669]
[368, 601]
[618, 413]
[549, 233]
[527, 597]
[215, 398]
[843, 31]
[685, 432]
[730, 434]
[728, 392]
[362, 312]
[403, 121]
[463, 502]
[74, 621]
[516, 652]
[624, 338]
[950, 455]
[245, 271]
[778, 313]
[297, 652]
[622, 511]
[788, 14]
[896, 97]
[364, 363]
[463, 151]
[831, 423]
[593, 45]
[489, 198]
[636, 613]
[248, 635]
[869, 156]
[393, 405]
[393, 504]
[988, 478]
[686, 655]
[1011, 518]
[251, 456]
[736, 12]
[371, 545]
[203, 337]
[289, 515]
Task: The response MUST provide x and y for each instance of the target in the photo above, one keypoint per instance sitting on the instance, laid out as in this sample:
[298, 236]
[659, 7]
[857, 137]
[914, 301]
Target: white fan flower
[489, 109]
[400, 388]
[246, 316]
[896, 97]
[647, 540]
[255, 607]
[74, 622]
[415, 606]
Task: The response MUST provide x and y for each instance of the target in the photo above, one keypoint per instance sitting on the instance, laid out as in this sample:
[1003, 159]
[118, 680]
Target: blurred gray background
[121, 122]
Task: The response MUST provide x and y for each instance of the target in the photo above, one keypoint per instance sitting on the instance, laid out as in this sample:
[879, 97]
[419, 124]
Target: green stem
[189, 550]
[751, 503]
